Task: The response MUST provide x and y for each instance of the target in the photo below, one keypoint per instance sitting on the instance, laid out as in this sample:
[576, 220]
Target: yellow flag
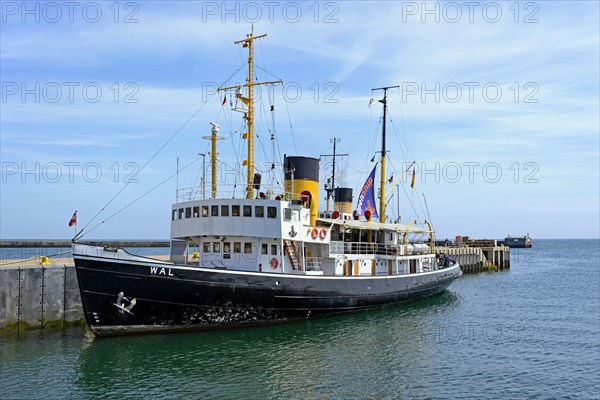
[412, 182]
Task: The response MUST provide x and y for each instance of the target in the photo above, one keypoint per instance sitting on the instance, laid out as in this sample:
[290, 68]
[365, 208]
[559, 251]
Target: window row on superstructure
[223, 210]
[215, 247]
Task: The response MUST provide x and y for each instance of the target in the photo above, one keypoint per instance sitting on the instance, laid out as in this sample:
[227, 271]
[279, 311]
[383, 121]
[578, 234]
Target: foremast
[248, 100]
[382, 193]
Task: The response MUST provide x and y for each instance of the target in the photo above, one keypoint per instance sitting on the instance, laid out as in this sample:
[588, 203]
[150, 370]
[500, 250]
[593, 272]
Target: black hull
[170, 297]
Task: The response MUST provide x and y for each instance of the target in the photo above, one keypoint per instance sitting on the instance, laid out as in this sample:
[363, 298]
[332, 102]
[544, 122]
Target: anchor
[121, 306]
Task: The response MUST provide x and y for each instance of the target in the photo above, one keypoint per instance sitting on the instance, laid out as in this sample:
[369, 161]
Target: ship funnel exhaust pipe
[302, 182]
[343, 200]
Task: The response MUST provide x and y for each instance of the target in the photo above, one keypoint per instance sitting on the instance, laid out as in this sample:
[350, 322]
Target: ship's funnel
[343, 200]
[302, 182]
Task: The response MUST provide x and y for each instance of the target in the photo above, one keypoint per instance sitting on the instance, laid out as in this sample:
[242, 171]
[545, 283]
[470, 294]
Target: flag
[73, 219]
[366, 199]
[412, 182]
[391, 179]
[371, 102]
[224, 100]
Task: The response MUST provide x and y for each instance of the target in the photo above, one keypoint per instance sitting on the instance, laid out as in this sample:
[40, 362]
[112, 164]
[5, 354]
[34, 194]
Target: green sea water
[530, 332]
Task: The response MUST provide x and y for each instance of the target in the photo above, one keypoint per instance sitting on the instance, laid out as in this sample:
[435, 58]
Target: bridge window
[216, 247]
[247, 248]
[265, 249]
[237, 247]
[247, 211]
[214, 211]
[174, 216]
[259, 211]
[205, 211]
[274, 248]
[272, 212]
[235, 211]
[224, 211]
[207, 247]
[196, 212]
[188, 212]
[180, 213]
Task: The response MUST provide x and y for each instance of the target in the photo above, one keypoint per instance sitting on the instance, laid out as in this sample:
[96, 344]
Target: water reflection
[323, 357]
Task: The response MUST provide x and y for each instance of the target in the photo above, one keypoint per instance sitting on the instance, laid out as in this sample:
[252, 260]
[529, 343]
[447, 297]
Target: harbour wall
[39, 296]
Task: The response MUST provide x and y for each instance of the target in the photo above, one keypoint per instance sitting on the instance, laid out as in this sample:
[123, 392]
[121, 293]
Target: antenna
[177, 180]
[330, 185]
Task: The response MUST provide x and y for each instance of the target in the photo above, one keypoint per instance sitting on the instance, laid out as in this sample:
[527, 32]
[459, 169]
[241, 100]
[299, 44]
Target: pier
[478, 259]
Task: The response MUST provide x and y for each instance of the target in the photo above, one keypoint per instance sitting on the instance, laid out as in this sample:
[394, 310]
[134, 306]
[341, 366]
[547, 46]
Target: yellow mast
[248, 100]
[213, 157]
[382, 190]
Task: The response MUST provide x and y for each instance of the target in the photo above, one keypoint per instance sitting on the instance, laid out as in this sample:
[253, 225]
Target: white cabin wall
[251, 226]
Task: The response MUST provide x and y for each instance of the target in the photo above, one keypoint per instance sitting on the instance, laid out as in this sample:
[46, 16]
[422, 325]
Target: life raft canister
[314, 233]
[322, 233]
[274, 263]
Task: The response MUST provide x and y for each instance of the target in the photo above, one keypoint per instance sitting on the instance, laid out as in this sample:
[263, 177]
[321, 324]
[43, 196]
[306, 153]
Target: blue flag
[366, 199]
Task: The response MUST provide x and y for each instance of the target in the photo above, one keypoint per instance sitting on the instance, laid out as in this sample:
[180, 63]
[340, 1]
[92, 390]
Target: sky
[497, 110]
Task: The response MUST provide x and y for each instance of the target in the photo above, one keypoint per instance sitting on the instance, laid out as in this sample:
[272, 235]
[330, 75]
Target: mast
[213, 158]
[248, 100]
[383, 155]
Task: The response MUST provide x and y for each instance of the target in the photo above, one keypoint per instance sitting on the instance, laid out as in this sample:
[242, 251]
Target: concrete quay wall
[39, 296]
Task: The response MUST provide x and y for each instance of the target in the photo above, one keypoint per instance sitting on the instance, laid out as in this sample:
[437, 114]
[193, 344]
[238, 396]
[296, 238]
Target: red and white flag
[224, 100]
[73, 220]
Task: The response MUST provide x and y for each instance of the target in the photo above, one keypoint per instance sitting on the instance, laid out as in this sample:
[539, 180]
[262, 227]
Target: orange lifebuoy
[274, 263]
[314, 233]
[323, 233]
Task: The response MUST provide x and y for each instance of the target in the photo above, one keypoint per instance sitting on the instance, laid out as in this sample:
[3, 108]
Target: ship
[517, 242]
[268, 256]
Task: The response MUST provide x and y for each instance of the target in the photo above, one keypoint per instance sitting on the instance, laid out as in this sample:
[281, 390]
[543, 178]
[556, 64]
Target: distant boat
[518, 242]
[264, 258]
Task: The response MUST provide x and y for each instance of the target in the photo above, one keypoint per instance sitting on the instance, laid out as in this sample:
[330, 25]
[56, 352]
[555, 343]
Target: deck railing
[313, 264]
[376, 248]
[363, 248]
[233, 191]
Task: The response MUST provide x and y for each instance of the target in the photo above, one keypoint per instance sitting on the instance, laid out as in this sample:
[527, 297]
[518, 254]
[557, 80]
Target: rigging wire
[413, 191]
[276, 143]
[291, 127]
[177, 131]
[271, 127]
[143, 195]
